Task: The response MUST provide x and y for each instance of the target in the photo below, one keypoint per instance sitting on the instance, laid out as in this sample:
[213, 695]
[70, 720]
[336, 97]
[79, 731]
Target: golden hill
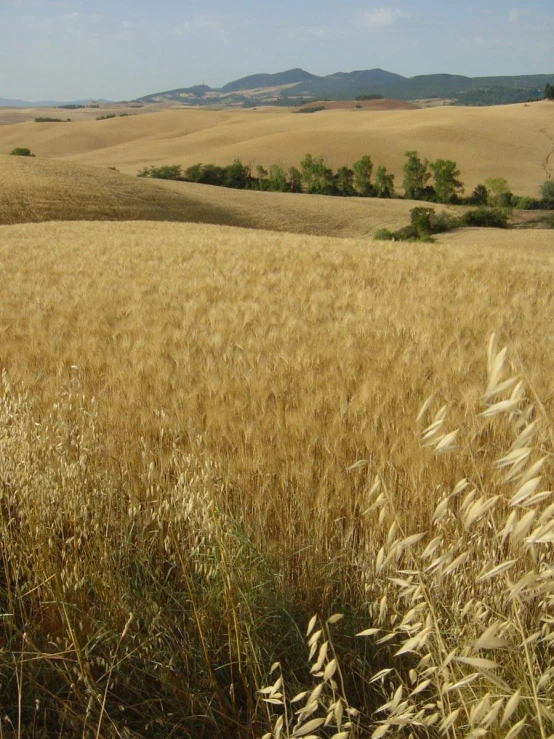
[38, 190]
[34, 190]
[515, 141]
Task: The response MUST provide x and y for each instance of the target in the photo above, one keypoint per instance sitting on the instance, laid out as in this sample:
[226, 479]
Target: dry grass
[35, 190]
[183, 410]
[514, 141]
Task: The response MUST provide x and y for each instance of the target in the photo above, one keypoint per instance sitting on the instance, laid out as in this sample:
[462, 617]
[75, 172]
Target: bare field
[515, 142]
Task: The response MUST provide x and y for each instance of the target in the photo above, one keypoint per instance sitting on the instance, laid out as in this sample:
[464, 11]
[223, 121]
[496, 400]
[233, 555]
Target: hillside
[296, 85]
[515, 142]
[34, 191]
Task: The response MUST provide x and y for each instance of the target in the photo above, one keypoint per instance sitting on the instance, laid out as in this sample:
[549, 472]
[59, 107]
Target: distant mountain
[296, 86]
[291, 77]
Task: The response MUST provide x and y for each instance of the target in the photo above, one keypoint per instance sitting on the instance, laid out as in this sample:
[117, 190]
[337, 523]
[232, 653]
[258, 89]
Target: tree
[447, 184]
[547, 193]
[194, 173]
[237, 175]
[165, 172]
[344, 180]
[316, 176]
[420, 219]
[416, 176]
[499, 192]
[295, 180]
[362, 176]
[277, 179]
[384, 183]
[479, 196]
[261, 176]
[549, 91]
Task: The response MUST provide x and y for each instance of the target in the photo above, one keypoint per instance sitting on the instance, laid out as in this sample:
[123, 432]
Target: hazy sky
[122, 49]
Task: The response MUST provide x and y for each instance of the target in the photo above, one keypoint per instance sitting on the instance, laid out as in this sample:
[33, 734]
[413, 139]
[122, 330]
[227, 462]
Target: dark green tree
[363, 169]
[479, 196]
[384, 183]
[549, 91]
[344, 182]
[213, 175]
[416, 176]
[447, 184]
[237, 176]
[317, 178]
[421, 221]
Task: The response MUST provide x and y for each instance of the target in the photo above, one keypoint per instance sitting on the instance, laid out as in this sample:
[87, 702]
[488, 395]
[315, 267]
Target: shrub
[527, 203]
[42, 119]
[385, 234]
[485, 218]
[21, 151]
[312, 109]
[165, 172]
[547, 193]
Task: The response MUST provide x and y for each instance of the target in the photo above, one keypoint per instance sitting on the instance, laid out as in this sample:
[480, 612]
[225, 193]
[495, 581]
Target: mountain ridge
[296, 86]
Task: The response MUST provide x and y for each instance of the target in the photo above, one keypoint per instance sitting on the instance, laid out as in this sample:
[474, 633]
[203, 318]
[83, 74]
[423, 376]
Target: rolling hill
[515, 142]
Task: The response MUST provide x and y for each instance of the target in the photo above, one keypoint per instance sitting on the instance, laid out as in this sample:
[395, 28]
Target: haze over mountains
[295, 86]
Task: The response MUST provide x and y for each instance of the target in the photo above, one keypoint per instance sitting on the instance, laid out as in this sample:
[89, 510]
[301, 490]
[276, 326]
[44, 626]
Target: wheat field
[210, 434]
[260, 475]
[514, 141]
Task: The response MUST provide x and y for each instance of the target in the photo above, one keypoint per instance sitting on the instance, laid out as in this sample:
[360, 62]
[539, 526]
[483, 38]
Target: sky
[123, 49]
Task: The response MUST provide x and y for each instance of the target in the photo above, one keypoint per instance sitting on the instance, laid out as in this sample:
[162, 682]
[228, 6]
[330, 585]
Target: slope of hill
[35, 191]
[292, 76]
[514, 142]
[297, 84]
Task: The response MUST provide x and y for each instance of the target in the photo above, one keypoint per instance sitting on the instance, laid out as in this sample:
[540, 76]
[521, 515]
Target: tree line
[437, 182]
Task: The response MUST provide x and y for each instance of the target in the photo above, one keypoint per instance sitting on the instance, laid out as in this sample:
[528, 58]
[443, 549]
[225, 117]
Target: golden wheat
[214, 430]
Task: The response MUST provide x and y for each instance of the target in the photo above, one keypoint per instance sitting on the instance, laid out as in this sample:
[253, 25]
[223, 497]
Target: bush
[52, 120]
[21, 151]
[526, 203]
[547, 194]
[385, 234]
[485, 218]
[166, 172]
[313, 109]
